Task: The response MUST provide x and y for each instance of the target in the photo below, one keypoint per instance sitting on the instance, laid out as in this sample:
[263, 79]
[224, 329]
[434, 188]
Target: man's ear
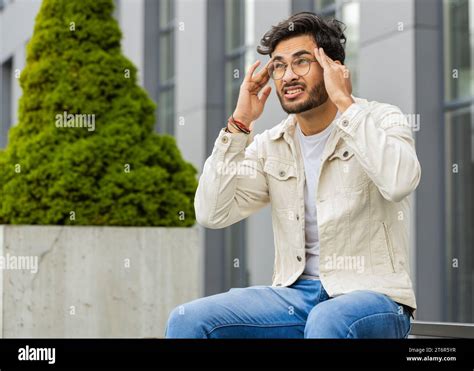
[338, 62]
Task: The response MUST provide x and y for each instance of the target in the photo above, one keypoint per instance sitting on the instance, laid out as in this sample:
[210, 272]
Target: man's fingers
[324, 57]
[262, 76]
[261, 80]
[255, 83]
[265, 94]
[330, 60]
[320, 56]
[264, 68]
[334, 63]
[251, 70]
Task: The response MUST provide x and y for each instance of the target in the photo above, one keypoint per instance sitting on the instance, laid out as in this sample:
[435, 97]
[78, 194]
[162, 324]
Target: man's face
[299, 93]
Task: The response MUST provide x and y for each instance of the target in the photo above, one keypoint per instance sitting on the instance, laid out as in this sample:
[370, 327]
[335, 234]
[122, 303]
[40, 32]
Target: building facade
[192, 56]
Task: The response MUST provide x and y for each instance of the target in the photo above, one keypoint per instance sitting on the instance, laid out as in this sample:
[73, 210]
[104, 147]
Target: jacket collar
[289, 124]
[286, 126]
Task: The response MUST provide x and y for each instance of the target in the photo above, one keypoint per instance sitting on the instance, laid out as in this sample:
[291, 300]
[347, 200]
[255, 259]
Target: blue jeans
[302, 310]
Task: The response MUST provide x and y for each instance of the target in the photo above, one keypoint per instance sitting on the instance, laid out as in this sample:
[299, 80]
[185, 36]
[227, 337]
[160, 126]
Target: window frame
[6, 99]
[166, 86]
[235, 236]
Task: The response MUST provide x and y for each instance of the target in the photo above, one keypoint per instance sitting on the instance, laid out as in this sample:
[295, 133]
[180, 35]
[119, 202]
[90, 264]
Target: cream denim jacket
[368, 168]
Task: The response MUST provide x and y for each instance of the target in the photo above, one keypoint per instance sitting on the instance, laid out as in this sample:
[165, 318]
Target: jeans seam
[409, 329]
[320, 291]
[369, 315]
[253, 325]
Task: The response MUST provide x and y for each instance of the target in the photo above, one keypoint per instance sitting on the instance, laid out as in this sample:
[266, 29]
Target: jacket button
[297, 217]
[282, 173]
[278, 284]
[345, 154]
[345, 122]
[225, 139]
[299, 258]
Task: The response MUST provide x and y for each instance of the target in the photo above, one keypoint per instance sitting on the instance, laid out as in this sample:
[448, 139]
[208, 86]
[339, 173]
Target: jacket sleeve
[384, 145]
[232, 185]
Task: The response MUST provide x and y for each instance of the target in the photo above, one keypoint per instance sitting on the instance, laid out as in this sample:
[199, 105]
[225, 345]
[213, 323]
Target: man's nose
[289, 75]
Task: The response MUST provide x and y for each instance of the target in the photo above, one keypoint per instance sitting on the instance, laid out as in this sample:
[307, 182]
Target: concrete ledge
[422, 329]
[95, 281]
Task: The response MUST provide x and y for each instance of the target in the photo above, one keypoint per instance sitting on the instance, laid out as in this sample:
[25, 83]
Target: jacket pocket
[350, 171]
[279, 170]
[388, 243]
[282, 182]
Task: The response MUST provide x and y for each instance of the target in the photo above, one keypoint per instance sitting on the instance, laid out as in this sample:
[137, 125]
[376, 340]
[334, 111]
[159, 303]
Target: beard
[317, 96]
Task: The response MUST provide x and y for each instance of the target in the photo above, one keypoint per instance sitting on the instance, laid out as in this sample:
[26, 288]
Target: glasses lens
[276, 70]
[300, 66]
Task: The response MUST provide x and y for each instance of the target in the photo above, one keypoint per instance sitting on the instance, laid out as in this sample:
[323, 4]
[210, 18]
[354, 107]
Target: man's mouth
[293, 92]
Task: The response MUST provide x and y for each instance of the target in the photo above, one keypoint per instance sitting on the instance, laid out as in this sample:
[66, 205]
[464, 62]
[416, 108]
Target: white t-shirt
[312, 147]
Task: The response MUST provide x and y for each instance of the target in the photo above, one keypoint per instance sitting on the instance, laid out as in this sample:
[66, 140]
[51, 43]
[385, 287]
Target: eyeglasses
[299, 66]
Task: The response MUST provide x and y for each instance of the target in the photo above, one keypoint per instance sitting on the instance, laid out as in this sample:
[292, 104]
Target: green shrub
[121, 173]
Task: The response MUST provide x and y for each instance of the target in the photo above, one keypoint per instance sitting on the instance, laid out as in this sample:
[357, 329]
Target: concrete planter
[95, 281]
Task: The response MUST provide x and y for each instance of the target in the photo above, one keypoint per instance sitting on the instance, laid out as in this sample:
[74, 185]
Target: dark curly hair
[328, 33]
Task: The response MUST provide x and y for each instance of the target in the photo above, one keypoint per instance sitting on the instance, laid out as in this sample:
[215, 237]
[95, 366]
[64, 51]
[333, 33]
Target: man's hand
[336, 79]
[249, 104]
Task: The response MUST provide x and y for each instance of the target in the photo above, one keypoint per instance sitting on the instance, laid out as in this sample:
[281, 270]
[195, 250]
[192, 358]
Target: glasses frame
[291, 66]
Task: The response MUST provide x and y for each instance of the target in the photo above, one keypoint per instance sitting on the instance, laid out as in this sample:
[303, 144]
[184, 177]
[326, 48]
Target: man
[337, 173]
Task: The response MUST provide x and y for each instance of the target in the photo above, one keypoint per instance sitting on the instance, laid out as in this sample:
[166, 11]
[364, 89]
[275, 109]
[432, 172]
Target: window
[166, 69]
[235, 51]
[6, 76]
[325, 7]
[459, 44]
[459, 165]
[348, 13]
[4, 3]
